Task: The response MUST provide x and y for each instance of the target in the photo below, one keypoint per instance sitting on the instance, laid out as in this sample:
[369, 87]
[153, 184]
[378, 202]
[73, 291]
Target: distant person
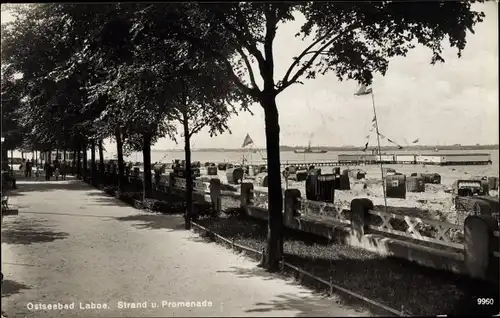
[22, 167]
[51, 170]
[37, 172]
[29, 167]
[26, 168]
[57, 173]
[63, 169]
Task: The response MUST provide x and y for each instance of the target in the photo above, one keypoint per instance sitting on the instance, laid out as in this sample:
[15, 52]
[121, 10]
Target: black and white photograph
[250, 159]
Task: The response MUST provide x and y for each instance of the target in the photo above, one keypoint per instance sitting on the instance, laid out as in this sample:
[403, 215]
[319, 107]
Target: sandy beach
[435, 203]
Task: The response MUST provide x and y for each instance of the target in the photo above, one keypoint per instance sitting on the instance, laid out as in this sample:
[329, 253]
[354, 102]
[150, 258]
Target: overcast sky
[451, 103]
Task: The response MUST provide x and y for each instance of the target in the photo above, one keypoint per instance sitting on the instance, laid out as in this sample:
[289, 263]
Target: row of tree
[132, 71]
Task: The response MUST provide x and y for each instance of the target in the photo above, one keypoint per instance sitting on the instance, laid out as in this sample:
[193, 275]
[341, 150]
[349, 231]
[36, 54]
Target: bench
[5, 202]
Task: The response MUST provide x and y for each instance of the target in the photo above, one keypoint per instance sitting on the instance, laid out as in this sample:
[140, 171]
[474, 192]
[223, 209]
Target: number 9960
[485, 301]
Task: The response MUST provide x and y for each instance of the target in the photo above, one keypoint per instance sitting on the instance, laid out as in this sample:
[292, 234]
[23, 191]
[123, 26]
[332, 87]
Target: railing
[412, 230]
[201, 186]
[260, 199]
[198, 186]
[359, 218]
[287, 266]
[424, 230]
[180, 183]
[322, 209]
[164, 179]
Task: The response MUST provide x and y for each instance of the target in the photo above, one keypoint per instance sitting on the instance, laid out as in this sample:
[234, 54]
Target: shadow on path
[106, 200]
[305, 305]
[249, 272]
[45, 186]
[10, 287]
[27, 231]
[155, 221]
[71, 214]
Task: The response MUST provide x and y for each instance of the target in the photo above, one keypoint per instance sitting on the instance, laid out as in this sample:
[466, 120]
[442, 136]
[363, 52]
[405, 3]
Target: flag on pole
[372, 128]
[248, 141]
[363, 90]
[366, 147]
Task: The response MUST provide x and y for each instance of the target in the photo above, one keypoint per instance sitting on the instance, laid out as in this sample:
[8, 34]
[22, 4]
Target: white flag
[363, 90]
[248, 141]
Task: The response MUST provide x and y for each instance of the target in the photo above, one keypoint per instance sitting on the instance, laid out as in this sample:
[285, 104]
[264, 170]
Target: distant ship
[310, 150]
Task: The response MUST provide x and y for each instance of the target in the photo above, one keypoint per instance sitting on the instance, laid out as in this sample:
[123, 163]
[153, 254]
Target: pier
[400, 159]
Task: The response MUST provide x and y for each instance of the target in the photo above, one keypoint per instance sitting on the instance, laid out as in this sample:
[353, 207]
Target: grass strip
[393, 282]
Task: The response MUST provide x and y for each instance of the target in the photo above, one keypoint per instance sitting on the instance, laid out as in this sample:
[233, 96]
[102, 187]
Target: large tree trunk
[79, 162]
[5, 159]
[274, 250]
[74, 161]
[5, 154]
[85, 161]
[101, 159]
[147, 181]
[121, 166]
[189, 176]
[92, 162]
[11, 169]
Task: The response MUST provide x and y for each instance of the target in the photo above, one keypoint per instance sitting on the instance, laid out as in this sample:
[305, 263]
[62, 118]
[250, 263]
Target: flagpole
[379, 150]
[251, 156]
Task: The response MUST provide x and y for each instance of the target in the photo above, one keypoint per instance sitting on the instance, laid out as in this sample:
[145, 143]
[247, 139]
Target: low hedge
[159, 202]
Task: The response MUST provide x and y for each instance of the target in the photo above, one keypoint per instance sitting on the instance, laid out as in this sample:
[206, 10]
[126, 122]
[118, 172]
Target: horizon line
[336, 147]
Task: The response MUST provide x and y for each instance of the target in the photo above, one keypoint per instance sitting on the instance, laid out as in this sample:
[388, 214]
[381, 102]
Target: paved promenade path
[74, 245]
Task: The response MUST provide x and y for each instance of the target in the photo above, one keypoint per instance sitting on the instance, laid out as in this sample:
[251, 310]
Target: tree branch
[247, 35]
[245, 38]
[254, 92]
[304, 52]
[251, 47]
[249, 67]
[192, 111]
[176, 116]
[242, 20]
[304, 67]
[196, 129]
[271, 22]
